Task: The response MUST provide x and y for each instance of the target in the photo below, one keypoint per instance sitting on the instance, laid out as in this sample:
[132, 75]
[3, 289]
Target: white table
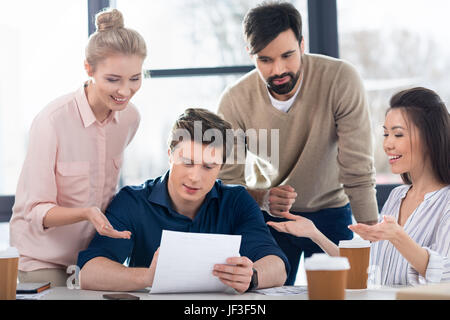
[63, 293]
[378, 302]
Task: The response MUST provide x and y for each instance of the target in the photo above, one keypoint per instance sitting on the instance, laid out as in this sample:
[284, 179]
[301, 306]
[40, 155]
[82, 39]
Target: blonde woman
[75, 152]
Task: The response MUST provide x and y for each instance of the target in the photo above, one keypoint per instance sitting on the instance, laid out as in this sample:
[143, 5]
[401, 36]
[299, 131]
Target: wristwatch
[254, 280]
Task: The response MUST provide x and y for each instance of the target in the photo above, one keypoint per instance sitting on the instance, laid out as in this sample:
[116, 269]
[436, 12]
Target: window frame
[323, 39]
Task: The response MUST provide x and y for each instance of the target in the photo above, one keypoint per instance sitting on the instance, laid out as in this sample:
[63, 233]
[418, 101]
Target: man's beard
[284, 88]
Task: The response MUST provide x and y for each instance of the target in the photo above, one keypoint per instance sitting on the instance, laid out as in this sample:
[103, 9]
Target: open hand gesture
[102, 225]
[387, 229]
[297, 225]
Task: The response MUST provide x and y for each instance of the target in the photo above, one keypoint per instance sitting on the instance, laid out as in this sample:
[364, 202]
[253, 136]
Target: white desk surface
[63, 293]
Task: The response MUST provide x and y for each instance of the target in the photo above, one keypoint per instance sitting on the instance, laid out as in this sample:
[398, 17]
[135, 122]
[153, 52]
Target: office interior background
[196, 49]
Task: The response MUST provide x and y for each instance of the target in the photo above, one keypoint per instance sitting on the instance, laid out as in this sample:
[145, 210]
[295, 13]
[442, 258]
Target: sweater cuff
[363, 203]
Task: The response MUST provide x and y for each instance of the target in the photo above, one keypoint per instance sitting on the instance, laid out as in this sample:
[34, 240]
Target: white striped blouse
[428, 226]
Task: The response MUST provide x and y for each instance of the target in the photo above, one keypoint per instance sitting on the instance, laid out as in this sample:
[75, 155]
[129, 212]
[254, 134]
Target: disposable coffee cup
[326, 276]
[357, 251]
[9, 263]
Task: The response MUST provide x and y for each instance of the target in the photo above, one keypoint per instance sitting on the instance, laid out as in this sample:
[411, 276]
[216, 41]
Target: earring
[86, 84]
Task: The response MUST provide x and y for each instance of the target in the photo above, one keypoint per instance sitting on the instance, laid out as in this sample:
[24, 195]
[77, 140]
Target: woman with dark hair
[412, 239]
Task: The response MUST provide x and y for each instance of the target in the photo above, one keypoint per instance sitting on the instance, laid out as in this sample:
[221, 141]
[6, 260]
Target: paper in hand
[186, 261]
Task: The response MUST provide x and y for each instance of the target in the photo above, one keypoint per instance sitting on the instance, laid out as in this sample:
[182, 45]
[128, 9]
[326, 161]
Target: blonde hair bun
[109, 19]
[112, 37]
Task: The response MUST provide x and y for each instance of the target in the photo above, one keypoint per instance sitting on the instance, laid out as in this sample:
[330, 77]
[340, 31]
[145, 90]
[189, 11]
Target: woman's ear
[88, 68]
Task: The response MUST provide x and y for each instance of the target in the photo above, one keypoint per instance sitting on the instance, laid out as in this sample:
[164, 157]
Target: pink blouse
[72, 161]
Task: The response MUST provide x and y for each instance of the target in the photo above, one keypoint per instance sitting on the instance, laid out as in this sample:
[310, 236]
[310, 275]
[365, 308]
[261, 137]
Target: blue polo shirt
[146, 211]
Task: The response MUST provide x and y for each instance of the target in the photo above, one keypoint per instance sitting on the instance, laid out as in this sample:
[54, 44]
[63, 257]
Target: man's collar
[159, 193]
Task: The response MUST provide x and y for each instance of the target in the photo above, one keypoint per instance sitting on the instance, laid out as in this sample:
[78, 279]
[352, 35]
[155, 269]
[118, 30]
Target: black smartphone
[120, 296]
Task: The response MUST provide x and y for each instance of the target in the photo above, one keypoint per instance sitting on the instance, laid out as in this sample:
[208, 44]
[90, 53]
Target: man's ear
[302, 46]
[247, 49]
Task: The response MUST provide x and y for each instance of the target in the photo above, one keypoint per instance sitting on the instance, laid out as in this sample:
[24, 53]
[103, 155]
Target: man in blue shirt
[187, 198]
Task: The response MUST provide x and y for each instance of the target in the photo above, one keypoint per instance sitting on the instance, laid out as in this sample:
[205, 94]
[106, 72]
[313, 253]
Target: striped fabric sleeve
[438, 269]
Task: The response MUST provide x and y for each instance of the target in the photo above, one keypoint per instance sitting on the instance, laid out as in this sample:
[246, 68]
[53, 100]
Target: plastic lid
[322, 261]
[354, 243]
[11, 252]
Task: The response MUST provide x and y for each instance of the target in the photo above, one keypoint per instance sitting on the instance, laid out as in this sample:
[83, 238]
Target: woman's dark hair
[425, 109]
[266, 21]
[211, 128]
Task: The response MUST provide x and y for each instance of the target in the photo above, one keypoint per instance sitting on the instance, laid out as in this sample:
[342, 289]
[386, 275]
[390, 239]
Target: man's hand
[237, 273]
[281, 199]
[152, 269]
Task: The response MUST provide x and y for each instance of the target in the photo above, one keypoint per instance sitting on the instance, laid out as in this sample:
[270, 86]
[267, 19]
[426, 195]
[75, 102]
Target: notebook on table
[32, 287]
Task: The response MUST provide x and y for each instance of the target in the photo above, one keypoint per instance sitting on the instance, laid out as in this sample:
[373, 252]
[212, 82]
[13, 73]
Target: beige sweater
[325, 142]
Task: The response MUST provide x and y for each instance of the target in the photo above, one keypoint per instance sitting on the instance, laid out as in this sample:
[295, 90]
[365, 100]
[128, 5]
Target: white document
[186, 261]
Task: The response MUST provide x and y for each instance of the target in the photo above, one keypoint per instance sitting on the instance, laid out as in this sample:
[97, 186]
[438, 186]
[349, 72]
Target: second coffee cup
[326, 277]
[357, 251]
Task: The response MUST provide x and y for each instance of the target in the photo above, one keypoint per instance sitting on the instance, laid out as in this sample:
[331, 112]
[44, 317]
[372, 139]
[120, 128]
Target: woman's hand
[297, 226]
[102, 225]
[391, 231]
[302, 227]
[388, 229]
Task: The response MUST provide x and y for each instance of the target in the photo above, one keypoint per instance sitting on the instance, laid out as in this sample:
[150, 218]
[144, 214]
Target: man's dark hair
[266, 21]
[213, 129]
[425, 109]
